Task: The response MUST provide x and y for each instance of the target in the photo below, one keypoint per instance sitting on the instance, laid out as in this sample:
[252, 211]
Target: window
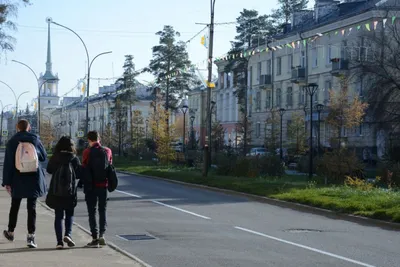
[328, 55]
[258, 129]
[302, 96]
[290, 62]
[221, 80]
[258, 101]
[48, 102]
[360, 130]
[314, 55]
[269, 98]
[258, 71]
[228, 80]
[302, 59]
[359, 88]
[289, 97]
[279, 66]
[269, 70]
[278, 97]
[328, 87]
[251, 77]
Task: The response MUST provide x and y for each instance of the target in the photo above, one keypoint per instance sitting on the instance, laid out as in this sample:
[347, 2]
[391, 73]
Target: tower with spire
[49, 82]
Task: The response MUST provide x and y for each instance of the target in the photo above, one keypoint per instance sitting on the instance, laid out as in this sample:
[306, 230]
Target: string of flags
[368, 25]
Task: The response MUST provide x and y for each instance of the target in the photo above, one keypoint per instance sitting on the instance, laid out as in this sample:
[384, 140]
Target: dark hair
[65, 144]
[93, 136]
[23, 125]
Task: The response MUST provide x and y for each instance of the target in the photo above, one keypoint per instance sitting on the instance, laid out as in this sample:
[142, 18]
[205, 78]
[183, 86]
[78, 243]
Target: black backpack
[63, 181]
[101, 169]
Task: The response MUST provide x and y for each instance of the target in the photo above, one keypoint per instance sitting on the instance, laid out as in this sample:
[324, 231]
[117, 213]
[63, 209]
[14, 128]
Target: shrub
[271, 166]
[336, 165]
[358, 183]
[225, 165]
[389, 173]
[242, 167]
[304, 166]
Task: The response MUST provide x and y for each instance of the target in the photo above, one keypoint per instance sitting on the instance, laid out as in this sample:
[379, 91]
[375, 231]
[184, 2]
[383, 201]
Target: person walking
[65, 168]
[24, 177]
[96, 160]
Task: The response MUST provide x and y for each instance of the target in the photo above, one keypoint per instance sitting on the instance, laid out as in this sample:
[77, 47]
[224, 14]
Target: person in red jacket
[95, 186]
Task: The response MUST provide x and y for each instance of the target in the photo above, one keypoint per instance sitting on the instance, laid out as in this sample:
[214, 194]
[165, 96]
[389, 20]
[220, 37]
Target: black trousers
[13, 216]
[97, 198]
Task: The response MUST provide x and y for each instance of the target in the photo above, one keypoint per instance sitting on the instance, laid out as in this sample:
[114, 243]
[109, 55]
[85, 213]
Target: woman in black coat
[64, 155]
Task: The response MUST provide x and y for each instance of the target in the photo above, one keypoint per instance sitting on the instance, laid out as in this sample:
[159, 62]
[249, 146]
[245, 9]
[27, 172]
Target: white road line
[129, 194]
[182, 210]
[305, 247]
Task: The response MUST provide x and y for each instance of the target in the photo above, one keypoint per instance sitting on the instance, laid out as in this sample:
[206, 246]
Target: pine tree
[283, 14]
[8, 9]
[172, 68]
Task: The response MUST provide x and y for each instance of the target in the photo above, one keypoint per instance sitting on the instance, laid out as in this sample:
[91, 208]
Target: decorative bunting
[367, 26]
[304, 42]
[350, 29]
[393, 19]
[289, 45]
[358, 27]
[384, 23]
[298, 44]
[293, 45]
[375, 24]
[336, 32]
[280, 47]
[343, 32]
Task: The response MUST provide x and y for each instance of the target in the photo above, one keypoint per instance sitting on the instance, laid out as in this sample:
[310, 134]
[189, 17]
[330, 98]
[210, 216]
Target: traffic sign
[80, 134]
[4, 133]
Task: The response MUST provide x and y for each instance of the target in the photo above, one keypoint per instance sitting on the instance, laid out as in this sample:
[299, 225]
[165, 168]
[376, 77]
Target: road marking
[305, 247]
[182, 210]
[129, 194]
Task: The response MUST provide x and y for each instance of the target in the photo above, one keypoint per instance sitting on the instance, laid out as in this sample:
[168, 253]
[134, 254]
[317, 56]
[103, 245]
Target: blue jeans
[69, 218]
[97, 198]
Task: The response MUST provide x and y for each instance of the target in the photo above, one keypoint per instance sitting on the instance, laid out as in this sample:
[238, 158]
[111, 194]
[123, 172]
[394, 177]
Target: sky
[121, 26]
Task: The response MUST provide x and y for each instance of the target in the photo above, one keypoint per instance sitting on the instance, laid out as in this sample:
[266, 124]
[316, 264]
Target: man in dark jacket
[95, 191]
[23, 185]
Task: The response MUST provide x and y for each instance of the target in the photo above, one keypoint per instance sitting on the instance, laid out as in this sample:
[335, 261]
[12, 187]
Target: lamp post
[192, 118]
[184, 109]
[305, 116]
[147, 126]
[50, 20]
[2, 114]
[319, 108]
[210, 135]
[281, 112]
[70, 132]
[311, 89]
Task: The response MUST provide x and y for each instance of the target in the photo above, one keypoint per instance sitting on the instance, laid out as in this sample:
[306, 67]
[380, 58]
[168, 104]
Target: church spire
[48, 62]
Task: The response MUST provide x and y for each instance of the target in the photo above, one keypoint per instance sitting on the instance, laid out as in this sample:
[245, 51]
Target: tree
[138, 134]
[343, 112]
[272, 132]
[46, 133]
[8, 9]
[163, 139]
[296, 132]
[119, 114]
[27, 109]
[128, 85]
[170, 58]
[218, 136]
[286, 8]
[250, 29]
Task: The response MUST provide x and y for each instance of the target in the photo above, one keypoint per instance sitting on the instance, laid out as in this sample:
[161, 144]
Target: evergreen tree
[170, 58]
[283, 14]
[8, 9]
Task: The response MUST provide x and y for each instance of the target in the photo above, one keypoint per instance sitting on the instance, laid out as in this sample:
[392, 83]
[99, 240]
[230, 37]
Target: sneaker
[69, 241]
[8, 235]
[60, 245]
[102, 241]
[30, 240]
[93, 244]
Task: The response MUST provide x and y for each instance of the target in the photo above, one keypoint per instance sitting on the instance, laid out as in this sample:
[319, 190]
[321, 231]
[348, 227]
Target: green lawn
[376, 203]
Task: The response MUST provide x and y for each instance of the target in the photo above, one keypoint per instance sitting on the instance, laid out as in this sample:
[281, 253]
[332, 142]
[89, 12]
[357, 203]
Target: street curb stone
[109, 244]
[286, 204]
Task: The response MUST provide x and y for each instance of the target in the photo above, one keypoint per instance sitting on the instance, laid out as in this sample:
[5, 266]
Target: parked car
[257, 151]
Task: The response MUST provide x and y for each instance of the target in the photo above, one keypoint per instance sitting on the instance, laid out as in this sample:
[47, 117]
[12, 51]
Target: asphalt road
[196, 227]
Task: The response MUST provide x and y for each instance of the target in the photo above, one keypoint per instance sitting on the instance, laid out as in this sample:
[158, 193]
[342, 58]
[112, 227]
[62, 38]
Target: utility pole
[207, 145]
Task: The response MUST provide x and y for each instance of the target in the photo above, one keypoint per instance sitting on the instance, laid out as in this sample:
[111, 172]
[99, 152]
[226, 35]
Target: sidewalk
[17, 253]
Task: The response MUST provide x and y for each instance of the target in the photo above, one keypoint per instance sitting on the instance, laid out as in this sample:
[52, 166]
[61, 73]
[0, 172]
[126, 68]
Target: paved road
[195, 227]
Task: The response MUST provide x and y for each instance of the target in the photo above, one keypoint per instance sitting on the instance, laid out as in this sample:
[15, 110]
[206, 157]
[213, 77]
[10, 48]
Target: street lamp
[184, 109]
[305, 116]
[192, 118]
[70, 124]
[319, 108]
[50, 20]
[311, 89]
[147, 126]
[281, 112]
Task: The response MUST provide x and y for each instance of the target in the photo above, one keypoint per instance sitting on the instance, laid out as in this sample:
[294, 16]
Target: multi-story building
[320, 46]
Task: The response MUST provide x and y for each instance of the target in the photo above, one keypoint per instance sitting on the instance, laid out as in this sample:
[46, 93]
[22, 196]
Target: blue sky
[123, 26]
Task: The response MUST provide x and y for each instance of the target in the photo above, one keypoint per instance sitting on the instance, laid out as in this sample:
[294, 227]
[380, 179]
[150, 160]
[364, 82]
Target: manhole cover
[136, 237]
[303, 231]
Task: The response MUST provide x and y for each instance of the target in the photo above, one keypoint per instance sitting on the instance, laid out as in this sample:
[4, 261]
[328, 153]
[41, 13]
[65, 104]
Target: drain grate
[136, 237]
[303, 231]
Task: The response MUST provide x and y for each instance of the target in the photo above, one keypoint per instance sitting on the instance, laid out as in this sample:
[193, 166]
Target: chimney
[324, 7]
[298, 17]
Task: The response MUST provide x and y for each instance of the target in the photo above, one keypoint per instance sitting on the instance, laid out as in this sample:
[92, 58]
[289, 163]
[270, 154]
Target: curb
[109, 244]
[286, 204]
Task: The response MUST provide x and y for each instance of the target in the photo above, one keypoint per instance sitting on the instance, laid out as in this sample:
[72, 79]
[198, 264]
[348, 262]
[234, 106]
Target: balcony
[340, 67]
[299, 75]
[265, 81]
